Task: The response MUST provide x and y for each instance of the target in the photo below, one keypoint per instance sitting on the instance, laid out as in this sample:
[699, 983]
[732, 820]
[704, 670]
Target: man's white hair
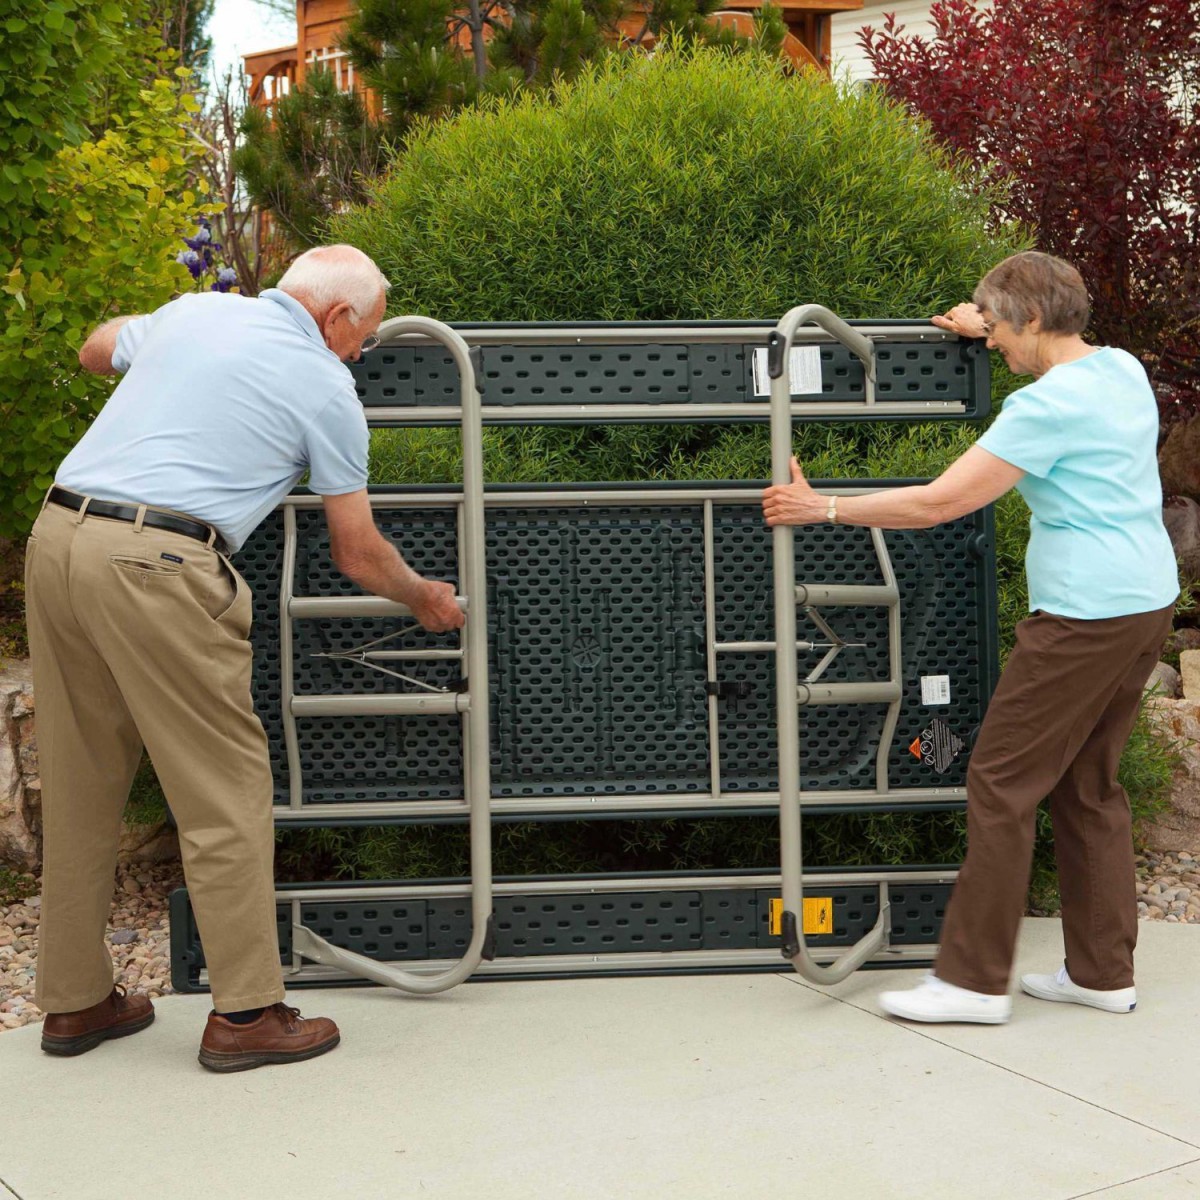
[329, 275]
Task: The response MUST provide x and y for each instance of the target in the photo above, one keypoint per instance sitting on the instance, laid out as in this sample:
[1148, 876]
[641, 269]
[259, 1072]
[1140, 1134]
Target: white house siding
[847, 55]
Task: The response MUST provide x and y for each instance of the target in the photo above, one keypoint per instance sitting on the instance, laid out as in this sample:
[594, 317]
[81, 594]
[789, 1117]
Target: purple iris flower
[192, 261]
[202, 238]
[226, 278]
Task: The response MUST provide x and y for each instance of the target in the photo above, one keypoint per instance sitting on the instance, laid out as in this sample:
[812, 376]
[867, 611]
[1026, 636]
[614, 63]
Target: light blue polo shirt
[1085, 434]
[225, 403]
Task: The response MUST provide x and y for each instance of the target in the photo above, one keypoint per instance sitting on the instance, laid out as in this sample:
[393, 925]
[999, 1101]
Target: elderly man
[139, 627]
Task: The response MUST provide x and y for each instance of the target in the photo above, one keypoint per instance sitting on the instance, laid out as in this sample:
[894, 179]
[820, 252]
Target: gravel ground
[1168, 887]
[139, 939]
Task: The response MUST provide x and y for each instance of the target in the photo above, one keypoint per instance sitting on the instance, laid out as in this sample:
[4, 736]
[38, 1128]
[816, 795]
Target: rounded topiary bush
[694, 184]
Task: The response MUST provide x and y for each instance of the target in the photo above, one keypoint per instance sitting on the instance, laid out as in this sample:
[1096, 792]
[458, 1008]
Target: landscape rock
[1165, 681]
[1179, 460]
[1189, 671]
[1179, 640]
[1181, 516]
[21, 787]
[1179, 827]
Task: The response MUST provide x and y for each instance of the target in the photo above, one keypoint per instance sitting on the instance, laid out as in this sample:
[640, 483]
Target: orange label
[818, 914]
[915, 747]
[817, 917]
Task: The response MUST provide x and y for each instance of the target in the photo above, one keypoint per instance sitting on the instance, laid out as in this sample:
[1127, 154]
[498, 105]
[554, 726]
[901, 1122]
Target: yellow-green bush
[97, 156]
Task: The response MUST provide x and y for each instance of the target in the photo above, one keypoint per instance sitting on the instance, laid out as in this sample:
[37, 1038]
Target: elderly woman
[1079, 444]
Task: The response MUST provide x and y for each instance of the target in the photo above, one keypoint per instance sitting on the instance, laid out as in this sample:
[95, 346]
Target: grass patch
[146, 805]
[15, 887]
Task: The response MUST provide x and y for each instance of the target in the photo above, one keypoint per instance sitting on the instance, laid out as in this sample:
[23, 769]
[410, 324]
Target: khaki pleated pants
[1055, 728]
[140, 636]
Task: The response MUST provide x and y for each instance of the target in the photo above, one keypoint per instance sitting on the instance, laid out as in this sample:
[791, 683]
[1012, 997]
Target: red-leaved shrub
[1088, 109]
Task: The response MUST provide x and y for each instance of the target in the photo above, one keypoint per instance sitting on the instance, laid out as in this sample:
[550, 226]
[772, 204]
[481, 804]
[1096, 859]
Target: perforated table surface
[601, 695]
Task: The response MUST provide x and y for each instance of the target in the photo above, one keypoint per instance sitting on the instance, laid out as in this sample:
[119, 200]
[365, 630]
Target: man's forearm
[96, 354]
[384, 572]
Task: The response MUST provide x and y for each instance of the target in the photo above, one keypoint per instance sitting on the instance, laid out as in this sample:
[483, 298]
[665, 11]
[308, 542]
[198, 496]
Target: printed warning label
[818, 914]
[935, 689]
[817, 917]
[937, 747]
[804, 371]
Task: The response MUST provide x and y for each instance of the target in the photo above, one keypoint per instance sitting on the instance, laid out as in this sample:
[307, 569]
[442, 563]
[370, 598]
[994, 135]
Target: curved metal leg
[473, 705]
[794, 947]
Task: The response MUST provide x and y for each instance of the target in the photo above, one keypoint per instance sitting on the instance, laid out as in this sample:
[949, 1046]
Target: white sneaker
[935, 1000]
[1059, 987]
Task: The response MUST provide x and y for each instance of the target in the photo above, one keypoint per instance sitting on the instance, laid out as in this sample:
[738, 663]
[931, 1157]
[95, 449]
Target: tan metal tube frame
[788, 689]
[472, 704]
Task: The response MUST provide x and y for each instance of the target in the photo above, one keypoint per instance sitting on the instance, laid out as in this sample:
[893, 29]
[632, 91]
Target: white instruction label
[804, 371]
[935, 689]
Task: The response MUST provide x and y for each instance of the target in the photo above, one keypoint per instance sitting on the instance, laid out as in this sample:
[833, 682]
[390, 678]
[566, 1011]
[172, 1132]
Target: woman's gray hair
[329, 275]
[1031, 285]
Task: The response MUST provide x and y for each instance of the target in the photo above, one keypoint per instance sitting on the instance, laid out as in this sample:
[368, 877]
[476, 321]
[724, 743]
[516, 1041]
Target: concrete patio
[708, 1086]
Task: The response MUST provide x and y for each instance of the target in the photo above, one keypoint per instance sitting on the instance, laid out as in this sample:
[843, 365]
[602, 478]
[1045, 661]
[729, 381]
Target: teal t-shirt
[1085, 434]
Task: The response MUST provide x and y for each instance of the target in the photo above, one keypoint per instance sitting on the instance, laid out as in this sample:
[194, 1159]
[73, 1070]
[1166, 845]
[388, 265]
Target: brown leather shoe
[117, 1015]
[280, 1035]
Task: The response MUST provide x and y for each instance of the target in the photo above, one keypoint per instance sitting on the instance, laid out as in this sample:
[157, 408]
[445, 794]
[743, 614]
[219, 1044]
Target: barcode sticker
[935, 689]
[804, 371]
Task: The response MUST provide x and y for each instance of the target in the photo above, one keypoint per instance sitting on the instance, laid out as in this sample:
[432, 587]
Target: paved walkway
[710, 1086]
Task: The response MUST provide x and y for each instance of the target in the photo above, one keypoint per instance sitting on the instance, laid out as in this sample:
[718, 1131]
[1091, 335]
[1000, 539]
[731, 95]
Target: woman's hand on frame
[794, 503]
[964, 319]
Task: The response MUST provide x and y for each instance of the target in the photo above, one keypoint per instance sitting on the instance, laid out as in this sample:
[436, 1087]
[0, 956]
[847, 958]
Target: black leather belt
[129, 512]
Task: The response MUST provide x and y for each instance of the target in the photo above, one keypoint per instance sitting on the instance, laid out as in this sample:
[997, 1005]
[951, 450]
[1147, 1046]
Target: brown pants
[139, 635]
[1056, 727]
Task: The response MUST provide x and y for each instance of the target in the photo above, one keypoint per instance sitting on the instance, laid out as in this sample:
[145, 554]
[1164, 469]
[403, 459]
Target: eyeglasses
[369, 343]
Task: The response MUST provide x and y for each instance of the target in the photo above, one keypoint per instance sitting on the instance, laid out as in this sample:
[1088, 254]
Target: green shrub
[677, 844]
[146, 805]
[15, 887]
[692, 184]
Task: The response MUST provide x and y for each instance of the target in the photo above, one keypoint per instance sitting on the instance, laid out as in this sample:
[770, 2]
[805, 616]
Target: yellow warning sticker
[818, 915]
